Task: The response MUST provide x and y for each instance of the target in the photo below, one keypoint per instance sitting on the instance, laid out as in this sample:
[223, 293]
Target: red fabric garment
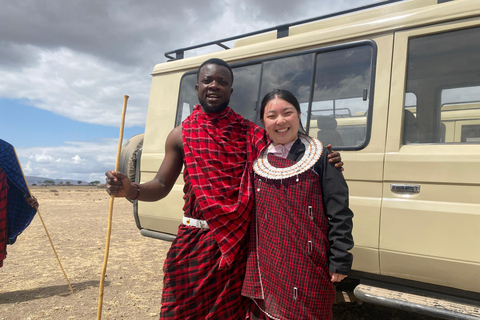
[194, 285]
[254, 312]
[3, 216]
[219, 150]
[287, 266]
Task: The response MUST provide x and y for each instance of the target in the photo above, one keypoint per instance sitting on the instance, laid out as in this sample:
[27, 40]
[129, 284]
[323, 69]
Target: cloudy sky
[66, 65]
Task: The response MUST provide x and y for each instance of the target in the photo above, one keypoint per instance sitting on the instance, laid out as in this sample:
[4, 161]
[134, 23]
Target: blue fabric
[19, 213]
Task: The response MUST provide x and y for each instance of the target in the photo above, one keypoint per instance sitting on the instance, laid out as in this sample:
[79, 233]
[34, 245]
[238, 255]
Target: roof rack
[282, 30]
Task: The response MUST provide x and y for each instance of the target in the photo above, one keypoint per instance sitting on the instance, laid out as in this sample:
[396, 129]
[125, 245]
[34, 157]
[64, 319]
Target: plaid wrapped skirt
[194, 287]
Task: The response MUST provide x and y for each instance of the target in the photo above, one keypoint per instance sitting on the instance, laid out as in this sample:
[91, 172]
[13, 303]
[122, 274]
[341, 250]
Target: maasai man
[205, 265]
[17, 206]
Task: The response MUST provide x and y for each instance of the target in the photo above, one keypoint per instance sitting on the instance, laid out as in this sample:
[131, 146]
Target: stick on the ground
[44, 226]
[110, 214]
[56, 255]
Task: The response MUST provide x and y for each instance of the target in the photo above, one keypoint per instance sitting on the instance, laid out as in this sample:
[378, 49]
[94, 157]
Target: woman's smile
[281, 121]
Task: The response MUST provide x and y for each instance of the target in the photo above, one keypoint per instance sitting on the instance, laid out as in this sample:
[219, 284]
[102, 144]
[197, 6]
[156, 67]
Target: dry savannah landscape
[33, 286]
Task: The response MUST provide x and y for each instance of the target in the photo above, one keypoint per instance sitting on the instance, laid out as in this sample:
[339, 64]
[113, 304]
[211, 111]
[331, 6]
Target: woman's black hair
[284, 95]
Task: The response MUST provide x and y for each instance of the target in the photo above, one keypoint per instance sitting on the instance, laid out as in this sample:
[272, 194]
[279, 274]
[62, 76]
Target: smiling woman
[312, 236]
[280, 115]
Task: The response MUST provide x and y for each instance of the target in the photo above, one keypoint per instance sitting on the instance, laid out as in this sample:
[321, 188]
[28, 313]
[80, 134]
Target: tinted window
[443, 73]
[294, 74]
[245, 91]
[470, 133]
[188, 97]
[243, 99]
[341, 98]
[333, 87]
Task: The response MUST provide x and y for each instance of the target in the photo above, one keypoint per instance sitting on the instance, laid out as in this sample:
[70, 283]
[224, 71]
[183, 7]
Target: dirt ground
[33, 286]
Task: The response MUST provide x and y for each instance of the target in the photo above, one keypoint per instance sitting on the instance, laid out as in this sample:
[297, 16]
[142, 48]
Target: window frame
[315, 52]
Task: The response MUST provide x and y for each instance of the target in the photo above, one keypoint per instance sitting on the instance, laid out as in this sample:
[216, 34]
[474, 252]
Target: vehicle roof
[349, 27]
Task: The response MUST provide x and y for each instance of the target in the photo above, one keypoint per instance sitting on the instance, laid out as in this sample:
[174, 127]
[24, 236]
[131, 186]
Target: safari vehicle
[394, 86]
[352, 129]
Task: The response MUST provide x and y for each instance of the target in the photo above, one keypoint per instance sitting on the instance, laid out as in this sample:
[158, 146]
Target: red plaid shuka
[204, 269]
[194, 287]
[3, 216]
[287, 267]
[219, 151]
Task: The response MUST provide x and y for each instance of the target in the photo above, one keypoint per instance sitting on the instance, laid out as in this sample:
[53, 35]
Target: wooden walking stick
[44, 226]
[110, 214]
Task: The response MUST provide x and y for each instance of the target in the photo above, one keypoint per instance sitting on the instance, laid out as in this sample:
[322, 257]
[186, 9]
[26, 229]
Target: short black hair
[218, 62]
[281, 94]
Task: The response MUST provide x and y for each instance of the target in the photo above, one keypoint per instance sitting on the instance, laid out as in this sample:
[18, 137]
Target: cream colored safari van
[395, 87]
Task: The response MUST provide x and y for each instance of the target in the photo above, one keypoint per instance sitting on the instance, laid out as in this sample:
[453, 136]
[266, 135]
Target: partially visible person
[17, 206]
[3, 216]
[205, 265]
[301, 232]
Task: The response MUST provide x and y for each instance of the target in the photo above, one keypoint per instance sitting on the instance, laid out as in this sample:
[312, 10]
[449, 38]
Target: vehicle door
[430, 218]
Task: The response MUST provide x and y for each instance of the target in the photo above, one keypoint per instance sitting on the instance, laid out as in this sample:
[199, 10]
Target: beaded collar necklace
[313, 151]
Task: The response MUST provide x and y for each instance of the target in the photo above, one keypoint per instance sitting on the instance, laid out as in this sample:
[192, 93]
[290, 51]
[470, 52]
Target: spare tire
[128, 156]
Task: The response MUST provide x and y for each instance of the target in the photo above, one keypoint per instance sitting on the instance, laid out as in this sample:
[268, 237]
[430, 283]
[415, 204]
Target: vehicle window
[471, 133]
[243, 99]
[245, 91]
[352, 135]
[294, 74]
[332, 86]
[188, 97]
[410, 100]
[341, 98]
[442, 73]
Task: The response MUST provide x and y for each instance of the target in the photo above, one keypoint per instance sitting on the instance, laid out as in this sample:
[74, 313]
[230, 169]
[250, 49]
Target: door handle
[405, 188]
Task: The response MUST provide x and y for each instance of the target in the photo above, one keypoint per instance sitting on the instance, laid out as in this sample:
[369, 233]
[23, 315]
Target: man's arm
[119, 185]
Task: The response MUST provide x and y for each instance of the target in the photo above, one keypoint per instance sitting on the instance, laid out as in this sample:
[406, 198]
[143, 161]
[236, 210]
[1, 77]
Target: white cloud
[41, 158]
[64, 162]
[78, 59]
[77, 159]
[79, 87]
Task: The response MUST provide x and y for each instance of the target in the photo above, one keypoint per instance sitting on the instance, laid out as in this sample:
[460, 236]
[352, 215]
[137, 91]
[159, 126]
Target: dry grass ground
[32, 285]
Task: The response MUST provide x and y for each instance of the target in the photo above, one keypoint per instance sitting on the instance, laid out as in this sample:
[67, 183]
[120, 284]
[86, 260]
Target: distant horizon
[31, 180]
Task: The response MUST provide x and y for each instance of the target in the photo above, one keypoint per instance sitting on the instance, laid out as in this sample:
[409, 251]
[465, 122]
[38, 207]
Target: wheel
[128, 156]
